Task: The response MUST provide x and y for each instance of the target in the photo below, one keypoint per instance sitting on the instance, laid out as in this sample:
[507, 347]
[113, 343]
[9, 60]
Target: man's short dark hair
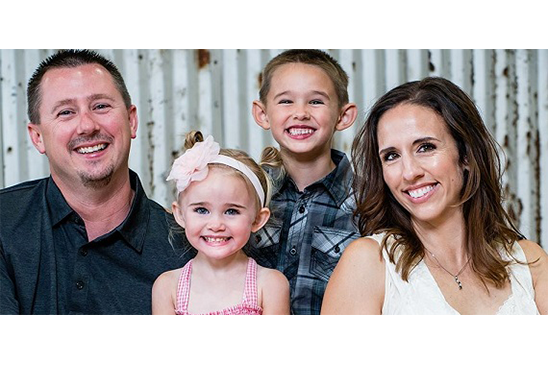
[69, 59]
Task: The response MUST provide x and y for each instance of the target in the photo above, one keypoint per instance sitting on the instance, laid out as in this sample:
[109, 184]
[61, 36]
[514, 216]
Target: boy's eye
[284, 101]
[232, 212]
[201, 210]
[316, 102]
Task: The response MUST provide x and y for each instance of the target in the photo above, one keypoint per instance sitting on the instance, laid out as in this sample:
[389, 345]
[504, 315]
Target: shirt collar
[132, 229]
[336, 183]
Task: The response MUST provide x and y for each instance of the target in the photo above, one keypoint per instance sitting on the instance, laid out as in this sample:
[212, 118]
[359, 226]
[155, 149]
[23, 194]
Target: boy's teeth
[92, 149]
[420, 192]
[300, 131]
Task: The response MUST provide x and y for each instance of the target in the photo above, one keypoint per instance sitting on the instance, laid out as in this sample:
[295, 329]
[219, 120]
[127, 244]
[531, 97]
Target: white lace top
[421, 294]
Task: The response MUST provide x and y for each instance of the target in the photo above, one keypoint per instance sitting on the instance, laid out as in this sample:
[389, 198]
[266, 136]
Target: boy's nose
[301, 113]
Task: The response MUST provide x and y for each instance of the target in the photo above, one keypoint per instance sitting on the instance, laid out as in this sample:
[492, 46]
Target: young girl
[223, 196]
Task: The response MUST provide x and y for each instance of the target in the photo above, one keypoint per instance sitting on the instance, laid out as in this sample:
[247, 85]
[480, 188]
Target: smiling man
[86, 240]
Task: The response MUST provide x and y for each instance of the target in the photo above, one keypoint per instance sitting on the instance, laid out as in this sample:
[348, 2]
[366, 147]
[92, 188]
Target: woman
[429, 194]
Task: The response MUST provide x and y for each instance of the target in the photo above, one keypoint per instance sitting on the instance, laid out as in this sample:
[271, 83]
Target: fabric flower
[192, 165]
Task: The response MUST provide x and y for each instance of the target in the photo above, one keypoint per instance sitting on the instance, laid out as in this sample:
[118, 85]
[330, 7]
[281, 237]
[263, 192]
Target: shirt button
[83, 252]
[258, 238]
[301, 209]
[337, 249]
[293, 251]
[79, 285]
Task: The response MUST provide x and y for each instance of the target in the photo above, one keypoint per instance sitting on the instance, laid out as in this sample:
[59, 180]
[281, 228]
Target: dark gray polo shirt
[47, 265]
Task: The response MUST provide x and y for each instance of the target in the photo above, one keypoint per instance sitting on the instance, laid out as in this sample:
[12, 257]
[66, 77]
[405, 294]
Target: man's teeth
[300, 131]
[92, 149]
[420, 192]
[213, 239]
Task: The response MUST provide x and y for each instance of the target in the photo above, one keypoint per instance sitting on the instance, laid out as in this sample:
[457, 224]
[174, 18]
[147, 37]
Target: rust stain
[204, 57]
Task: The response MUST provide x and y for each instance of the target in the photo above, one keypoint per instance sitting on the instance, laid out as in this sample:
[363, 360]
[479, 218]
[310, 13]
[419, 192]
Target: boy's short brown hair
[310, 57]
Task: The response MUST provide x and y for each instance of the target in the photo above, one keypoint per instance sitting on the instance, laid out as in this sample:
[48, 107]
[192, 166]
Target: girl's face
[218, 213]
[420, 162]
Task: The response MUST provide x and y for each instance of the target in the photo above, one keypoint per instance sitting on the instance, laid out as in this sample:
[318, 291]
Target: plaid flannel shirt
[307, 234]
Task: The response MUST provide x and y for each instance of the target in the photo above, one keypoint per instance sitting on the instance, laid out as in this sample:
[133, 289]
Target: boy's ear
[260, 220]
[259, 114]
[348, 116]
[178, 215]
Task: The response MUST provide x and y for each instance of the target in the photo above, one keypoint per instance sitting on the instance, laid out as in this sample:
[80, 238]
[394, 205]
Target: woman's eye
[201, 210]
[389, 156]
[426, 147]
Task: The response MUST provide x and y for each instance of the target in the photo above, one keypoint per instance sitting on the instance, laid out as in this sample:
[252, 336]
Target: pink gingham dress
[248, 306]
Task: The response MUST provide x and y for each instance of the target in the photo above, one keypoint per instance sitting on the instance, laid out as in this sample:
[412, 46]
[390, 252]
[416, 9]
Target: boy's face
[302, 110]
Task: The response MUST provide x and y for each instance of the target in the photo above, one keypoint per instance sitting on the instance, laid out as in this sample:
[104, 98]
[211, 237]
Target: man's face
[85, 128]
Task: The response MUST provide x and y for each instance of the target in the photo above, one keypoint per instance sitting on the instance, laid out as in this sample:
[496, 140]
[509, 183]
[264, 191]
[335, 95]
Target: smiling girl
[222, 197]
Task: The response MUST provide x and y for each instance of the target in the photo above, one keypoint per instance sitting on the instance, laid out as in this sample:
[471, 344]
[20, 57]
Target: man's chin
[97, 180]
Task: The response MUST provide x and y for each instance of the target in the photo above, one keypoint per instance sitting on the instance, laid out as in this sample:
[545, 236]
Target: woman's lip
[416, 195]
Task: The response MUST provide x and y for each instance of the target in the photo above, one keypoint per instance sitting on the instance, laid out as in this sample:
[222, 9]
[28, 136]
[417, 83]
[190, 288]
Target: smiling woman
[429, 197]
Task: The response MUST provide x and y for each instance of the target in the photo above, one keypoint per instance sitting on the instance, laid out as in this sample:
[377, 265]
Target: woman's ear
[260, 220]
[178, 214]
[347, 117]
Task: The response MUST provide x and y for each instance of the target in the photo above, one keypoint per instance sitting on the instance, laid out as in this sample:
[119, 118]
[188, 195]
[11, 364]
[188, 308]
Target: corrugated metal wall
[212, 90]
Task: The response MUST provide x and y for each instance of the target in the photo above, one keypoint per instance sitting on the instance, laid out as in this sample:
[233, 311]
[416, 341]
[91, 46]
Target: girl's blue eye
[232, 212]
[201, 210]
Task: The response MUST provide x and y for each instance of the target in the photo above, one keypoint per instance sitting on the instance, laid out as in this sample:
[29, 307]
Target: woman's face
[420, 163]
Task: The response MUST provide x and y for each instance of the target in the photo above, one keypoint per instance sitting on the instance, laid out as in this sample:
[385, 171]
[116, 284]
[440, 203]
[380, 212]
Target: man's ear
[259, 114]
[347, 117]
[178, 214]
[35, 134]
[133, 121]
[260, 220]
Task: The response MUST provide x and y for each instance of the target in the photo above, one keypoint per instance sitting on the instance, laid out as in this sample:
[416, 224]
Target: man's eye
[101, 106]
[64, 112]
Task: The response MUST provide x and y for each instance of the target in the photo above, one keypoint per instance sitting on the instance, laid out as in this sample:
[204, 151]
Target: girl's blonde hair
[197, 136]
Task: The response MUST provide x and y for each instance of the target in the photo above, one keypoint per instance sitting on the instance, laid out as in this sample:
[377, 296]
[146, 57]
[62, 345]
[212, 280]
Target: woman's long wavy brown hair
[488, 226]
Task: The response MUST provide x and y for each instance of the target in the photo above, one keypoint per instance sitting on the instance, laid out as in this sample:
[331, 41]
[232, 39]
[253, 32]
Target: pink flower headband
[192, 166]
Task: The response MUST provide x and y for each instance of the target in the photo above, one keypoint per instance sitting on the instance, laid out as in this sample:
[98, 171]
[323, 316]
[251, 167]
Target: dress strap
[183, 288]
[250, 291]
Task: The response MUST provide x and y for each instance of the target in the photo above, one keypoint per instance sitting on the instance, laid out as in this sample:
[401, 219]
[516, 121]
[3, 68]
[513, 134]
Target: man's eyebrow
[90, 98]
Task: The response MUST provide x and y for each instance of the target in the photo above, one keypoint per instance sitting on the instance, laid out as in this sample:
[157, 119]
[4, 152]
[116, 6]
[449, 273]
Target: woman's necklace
[455, 277]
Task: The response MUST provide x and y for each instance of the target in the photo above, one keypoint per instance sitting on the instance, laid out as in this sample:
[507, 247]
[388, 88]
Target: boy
[304, 101]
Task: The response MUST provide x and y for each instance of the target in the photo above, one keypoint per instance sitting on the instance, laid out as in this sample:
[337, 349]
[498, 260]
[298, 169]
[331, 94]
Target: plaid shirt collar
[335, 183]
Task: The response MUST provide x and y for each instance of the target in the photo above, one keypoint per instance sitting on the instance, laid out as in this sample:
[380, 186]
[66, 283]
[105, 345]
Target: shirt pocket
[328, 245]
[264, 245]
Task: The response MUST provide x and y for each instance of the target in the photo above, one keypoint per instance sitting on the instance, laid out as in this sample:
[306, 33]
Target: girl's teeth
[420, 192]
[211, 239]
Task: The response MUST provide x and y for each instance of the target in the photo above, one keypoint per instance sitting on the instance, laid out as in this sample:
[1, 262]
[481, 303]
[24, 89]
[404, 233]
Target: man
[86, 240]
